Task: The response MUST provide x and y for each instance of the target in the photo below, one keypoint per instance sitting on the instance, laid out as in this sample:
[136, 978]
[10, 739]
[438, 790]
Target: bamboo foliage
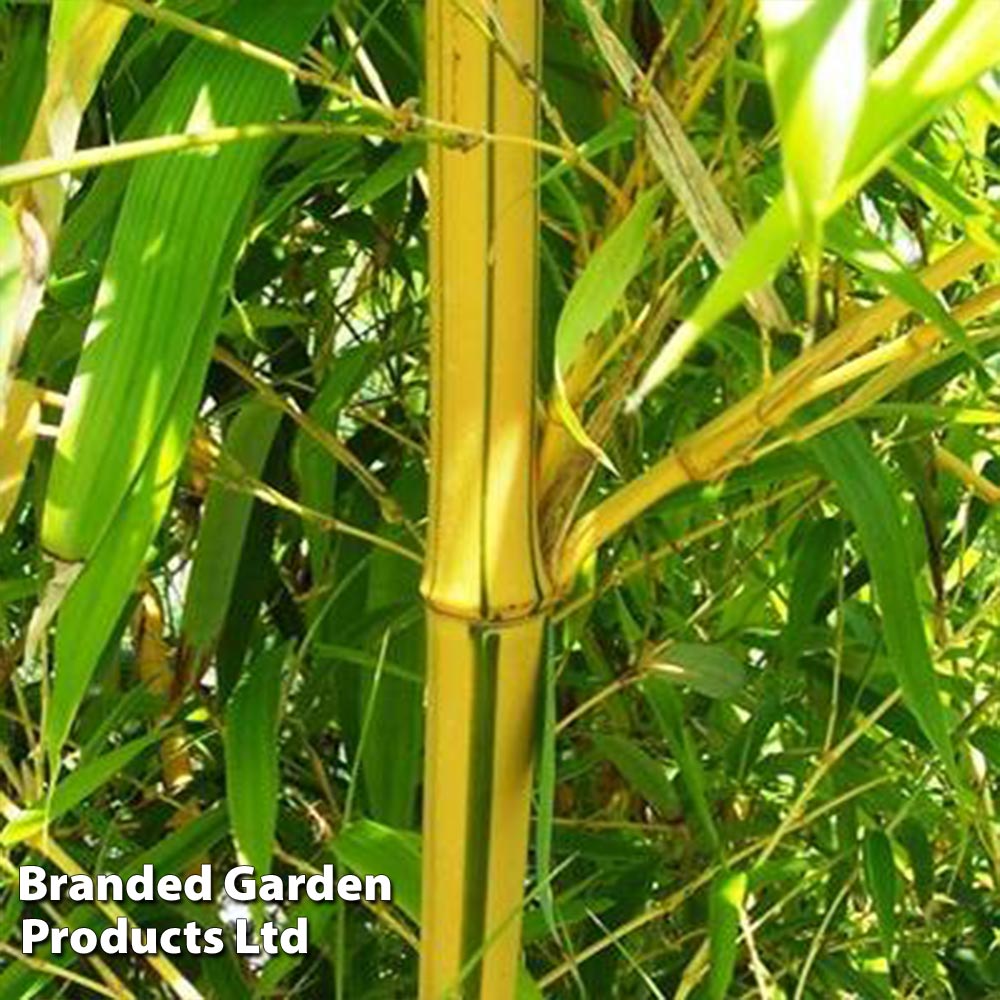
[721, 444]
[701, 520]
[82, 35]
[131, 363]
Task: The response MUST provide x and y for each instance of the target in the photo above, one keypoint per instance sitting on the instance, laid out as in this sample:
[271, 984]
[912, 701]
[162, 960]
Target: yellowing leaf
[19, 420]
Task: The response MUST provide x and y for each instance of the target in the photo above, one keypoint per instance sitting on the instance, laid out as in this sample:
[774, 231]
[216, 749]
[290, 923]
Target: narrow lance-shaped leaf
[871, 502]
[404, 162]
[682, 168]
[708, 669]
[813, 570]
[111, 514]
[74, 789]
[725, 900]
[22, 80]
[153, 295]
[978, 218]
[593, 299]
[645, 774]
[601, 287]
[82, 35]
[912, 835]
[224, 524]
[880, 878]
[546, 794]
[950, 47]
[253, 785]
[369, 848]
[818, 59]
[865, 250]
[95, 602]
[668, 710]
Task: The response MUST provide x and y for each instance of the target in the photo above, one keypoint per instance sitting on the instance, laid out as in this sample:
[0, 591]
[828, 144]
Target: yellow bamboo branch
[722, 442]
[948, 462]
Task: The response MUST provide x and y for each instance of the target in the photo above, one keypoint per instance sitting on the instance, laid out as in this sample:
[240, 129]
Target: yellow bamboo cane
[483, 583]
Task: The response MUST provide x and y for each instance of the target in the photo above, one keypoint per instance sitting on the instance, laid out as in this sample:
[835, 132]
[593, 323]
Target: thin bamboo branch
[329, 441]
[58, 972]
[984, 488]
[243, 482]
[409, 127]
[259, 53]
[620, 574]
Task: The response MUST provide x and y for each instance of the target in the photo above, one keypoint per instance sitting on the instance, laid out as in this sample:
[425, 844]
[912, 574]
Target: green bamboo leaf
[82, 35]
[370, 848]
[646, 775]
[880, 879]
[224, 524]
[315, 473]
[708, 669]
[401, 165]
[846, 980]
[724, 903]
[763, 250]
[680, 165]
[253, 787]
[74, 789]
[912, 835]
[181, 848]
[977, 217]
[669, 713]
[812, 574]
[620, 130]
[950, 47]
[153, 298]
[22, 80]
[871, 502]
[866, 251]
[601, 287]
[546, 795]
[92, 609]
[107, 503]
[818, 59]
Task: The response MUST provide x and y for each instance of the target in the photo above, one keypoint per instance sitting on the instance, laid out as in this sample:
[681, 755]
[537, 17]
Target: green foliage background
[771, 741]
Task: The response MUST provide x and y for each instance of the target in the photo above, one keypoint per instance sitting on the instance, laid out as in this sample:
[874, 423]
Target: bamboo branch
[731, 436]
[948, 462]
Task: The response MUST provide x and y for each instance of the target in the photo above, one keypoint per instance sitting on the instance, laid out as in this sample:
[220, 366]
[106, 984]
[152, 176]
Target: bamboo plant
[494, 420]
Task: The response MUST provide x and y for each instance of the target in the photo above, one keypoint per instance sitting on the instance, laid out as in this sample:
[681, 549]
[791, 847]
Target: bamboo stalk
[483, 580]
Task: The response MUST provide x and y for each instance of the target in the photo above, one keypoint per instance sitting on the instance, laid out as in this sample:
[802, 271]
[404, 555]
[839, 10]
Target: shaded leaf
[251, 743]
